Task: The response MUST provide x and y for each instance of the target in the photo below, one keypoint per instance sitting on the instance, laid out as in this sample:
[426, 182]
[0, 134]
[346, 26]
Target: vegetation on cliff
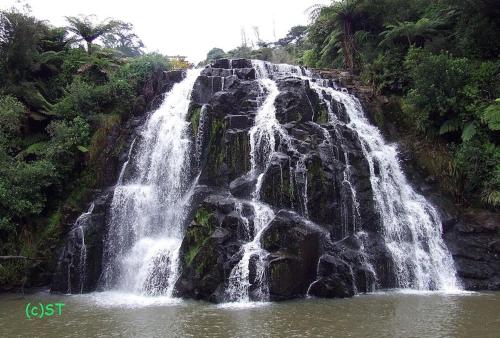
[437, 61]
[59, 102]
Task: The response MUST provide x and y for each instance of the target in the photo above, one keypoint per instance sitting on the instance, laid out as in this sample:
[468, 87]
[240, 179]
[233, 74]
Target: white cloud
[185, 27]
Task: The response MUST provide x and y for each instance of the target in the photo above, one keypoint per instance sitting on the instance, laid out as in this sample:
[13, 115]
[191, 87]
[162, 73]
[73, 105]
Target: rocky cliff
[325, 237]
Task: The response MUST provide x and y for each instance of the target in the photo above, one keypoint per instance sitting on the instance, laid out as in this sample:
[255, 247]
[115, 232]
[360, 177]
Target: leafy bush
[12, 116]
[138, 70]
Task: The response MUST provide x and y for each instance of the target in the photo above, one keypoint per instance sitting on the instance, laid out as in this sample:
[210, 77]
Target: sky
[185, 27]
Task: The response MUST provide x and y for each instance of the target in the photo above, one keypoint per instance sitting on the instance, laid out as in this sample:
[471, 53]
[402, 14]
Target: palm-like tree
[342, 14]
[411, 31]
[87, 30]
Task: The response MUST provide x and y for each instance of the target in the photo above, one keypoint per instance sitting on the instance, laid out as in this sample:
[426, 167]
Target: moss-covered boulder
[210, 247]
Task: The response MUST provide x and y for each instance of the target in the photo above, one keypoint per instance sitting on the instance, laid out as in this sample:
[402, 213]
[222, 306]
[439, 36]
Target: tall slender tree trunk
[348, 47]
[89, 47]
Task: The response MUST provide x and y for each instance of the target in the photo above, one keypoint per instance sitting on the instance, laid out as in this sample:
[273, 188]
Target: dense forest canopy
[438, 61]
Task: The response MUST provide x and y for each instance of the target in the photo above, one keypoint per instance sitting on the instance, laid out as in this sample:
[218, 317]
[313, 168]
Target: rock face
[325, 238]
[320, 254]
[79, 261]
[474, 242]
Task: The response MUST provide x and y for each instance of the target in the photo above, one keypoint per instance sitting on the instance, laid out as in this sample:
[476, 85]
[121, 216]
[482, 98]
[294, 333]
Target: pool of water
[384, 314]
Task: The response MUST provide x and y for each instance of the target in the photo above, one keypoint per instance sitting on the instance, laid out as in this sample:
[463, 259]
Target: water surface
[390, 314]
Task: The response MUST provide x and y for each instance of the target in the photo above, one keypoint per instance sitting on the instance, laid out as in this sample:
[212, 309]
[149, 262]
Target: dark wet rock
[243, 186]
[209, 71]
[245, 73]
[210, 247]
[221, 63]
[294, 246]
[72, 275]
[240, 63]
[296, 100]
[474, 244]
[335, 279]
[239, 121]
[174, 76]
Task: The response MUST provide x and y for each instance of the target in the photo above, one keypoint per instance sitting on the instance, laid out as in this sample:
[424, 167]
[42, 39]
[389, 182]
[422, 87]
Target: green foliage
[198, 233]
[123, 40]
[86, 29]
[12, 116]
[491, 116]
[138, 70]
[309, 58]
[214, 54]
[442, 58]
[240, 52]
[22, 187]
[58, 105]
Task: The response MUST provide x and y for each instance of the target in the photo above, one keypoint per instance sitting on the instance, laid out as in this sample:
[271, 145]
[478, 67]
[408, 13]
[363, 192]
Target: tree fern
[491, 116]
[449, 126]
[469, 131]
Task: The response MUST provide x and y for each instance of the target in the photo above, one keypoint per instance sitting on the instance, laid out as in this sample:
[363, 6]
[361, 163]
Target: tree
[87, 30]
[215, 53]
[294, 35]
[123, 39]
[338, 21]
[412, 31]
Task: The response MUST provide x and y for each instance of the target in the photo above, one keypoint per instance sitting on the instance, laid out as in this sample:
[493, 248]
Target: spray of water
[148, 210]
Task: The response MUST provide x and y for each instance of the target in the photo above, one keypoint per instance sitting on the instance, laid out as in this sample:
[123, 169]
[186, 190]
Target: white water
[149, 209]
[266, 137]
[78, 231]
[263, 144]
[411, 225]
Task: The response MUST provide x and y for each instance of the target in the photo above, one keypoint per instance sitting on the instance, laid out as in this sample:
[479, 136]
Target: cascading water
[263, 144]
[153, 195]
[78, 233]
[412, 226]
[149, 208]
[266, 137]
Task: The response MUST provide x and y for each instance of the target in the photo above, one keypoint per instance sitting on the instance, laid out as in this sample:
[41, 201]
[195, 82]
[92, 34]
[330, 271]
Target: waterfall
[411, 225]
[149, 208]
[263, 144]
[77, 234]
[412, 228]
[266, 137]
[154, 192]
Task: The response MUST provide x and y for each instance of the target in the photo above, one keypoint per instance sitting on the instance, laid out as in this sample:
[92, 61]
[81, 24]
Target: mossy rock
[194, 114]
[198, 233]
[214, 166]
[321, 114]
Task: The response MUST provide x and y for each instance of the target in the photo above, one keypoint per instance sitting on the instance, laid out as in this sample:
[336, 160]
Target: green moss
[191, 254]
[316, 182]
[53, 230]
[321, 115]
[216, 147]
[99, 140]
[315, 173]
[198, 233]
[195, 119]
